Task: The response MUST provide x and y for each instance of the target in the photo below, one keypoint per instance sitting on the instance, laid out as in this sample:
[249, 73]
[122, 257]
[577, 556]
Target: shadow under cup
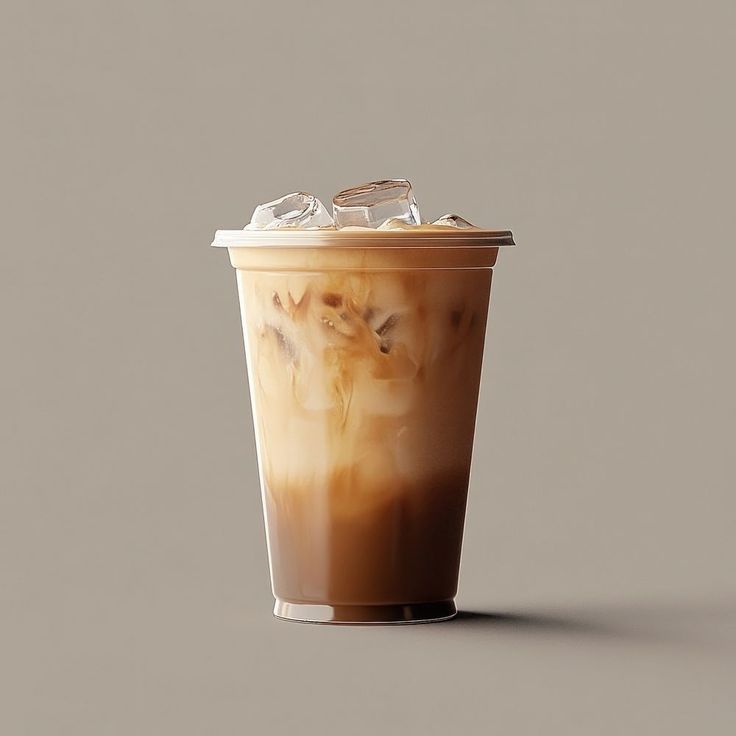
[364, 354]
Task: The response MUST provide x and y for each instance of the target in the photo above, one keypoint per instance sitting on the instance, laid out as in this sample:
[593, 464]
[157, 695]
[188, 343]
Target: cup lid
[418, 237]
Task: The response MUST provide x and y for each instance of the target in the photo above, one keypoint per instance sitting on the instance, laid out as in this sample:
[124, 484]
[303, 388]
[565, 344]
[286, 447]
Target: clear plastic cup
[364, 353]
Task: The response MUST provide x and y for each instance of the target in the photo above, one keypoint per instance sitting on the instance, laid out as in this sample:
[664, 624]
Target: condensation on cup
[364, 335]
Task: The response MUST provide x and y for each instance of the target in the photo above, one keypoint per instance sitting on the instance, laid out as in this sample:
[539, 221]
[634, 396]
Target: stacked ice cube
[388, 204]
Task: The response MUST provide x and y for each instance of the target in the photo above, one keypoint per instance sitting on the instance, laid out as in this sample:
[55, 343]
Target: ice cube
[297, 210]
[336, 316]
[384, 332]
[452, 221]
[372, 204]
[285, 345]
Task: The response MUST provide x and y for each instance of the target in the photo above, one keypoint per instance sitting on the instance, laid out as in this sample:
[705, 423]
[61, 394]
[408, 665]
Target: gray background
[600, 543]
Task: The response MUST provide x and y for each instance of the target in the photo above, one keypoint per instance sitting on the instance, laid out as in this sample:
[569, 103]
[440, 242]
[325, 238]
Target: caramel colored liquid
[364, 386]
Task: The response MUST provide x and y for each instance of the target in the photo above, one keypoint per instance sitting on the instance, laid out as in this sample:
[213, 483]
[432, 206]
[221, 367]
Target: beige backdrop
[134, 594]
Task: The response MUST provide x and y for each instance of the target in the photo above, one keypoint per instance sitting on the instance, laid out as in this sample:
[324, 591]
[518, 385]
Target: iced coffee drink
[364, 338]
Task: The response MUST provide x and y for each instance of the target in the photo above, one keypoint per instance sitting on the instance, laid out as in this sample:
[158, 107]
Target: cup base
[409, 613]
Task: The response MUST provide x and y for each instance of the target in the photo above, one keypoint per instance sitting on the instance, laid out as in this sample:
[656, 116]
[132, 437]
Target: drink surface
[364, 366]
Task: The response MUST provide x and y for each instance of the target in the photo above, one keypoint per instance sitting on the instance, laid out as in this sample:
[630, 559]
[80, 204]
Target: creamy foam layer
[417, 247]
